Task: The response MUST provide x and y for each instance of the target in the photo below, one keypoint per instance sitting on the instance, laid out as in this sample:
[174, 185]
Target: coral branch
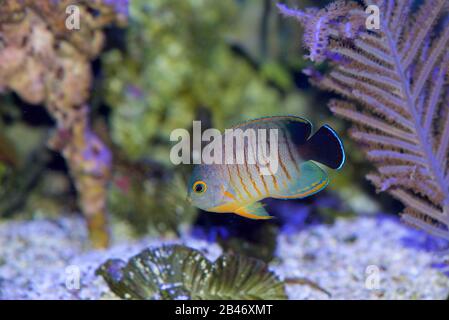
[395, 80]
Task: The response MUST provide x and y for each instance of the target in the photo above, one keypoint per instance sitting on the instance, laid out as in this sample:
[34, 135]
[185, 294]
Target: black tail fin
[325, 147]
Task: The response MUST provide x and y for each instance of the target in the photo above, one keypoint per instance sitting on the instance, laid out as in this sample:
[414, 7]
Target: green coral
[179, 272]
[178, 66]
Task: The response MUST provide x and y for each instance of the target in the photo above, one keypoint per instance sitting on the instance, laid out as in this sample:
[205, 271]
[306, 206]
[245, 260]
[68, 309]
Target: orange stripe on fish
[262, 179]
[231, 181]
[255, 187]
[273, 177]
[229, 195]
[290, 152]
[242, 183]
[252, 180]
[284, 169]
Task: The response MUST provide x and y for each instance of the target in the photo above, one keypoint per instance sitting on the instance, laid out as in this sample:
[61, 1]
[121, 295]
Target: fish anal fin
[312, 179]
[253, 211]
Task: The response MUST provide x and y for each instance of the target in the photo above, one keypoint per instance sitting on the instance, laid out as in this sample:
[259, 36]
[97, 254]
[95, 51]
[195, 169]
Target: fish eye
[199, 187]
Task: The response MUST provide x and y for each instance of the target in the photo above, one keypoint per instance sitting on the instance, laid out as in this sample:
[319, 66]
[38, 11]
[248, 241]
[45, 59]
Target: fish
[239, 187]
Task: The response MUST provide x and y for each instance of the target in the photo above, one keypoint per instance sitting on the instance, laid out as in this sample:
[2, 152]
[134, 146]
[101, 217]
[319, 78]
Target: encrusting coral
[47, 64]
[394, 79]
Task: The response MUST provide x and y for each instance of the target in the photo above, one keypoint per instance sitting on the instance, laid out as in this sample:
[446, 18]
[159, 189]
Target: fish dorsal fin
[299, 128]
[253, 211]
[311, 180]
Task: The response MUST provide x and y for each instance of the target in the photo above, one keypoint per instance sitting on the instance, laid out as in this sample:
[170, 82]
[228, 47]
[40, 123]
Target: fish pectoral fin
[253, 211]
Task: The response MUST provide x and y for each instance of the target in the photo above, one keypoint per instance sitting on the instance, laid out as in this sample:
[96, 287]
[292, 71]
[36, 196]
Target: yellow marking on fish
[228, 207]
[234, 207]
[244, 213]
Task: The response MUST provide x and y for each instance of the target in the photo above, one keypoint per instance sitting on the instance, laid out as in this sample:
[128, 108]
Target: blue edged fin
[253, 211]
[312, 179]
[325, 147]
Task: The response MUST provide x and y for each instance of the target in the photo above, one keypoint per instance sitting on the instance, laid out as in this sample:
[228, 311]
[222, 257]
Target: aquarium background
[86, 181]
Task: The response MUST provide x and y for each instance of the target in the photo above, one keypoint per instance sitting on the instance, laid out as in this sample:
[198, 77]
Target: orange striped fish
[239, 187]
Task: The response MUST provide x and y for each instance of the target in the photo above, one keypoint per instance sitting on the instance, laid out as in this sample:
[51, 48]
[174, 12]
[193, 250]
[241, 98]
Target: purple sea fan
[120, 6]
[319, 24]
[395, 84]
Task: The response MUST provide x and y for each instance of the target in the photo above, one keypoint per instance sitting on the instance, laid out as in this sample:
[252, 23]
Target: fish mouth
[189, 199]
